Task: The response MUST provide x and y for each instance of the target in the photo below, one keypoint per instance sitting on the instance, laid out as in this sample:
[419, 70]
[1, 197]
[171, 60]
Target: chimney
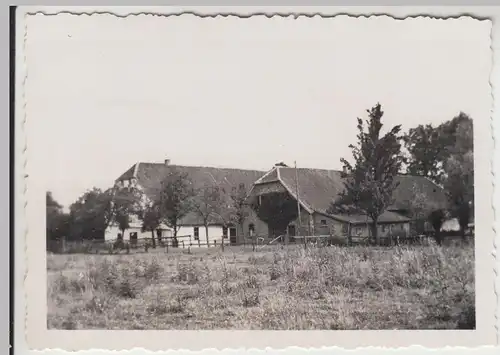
[167, 161]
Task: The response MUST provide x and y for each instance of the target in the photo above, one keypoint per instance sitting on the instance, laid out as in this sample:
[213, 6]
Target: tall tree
[459, 185]
[207, 203]
[175, 196]
[57, 222]
[151, 219]
[425, 148]
[459, 169]
[125, 205]
[370, 182]
[239, 207]
[429, 147]
[91, 214]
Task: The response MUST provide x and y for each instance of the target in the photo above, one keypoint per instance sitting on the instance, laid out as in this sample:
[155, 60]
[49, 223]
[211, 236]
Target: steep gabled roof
[150, 175]
[318, 188]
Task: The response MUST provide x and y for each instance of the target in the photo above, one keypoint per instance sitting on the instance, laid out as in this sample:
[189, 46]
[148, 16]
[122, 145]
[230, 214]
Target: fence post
[222, 243]
[215, 243]
[182, 244]
[166, 246]
[199, 243]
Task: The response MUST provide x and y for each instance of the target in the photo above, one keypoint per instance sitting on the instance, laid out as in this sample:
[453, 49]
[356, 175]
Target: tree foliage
[207, 204]
[424, 145]
[445, 155]
[91, 214]
[175, 199]
[459, 182]
[151, 219]
[239, 207]
[370, 182]
[429, 147]
[57, 222]
[125, 204]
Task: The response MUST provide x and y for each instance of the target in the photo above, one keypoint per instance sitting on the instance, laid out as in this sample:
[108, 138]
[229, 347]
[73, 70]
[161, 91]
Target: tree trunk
[153, 241]
[438, 236]
[242, 230]
[374, 229]
[206, 235]
[462, 233]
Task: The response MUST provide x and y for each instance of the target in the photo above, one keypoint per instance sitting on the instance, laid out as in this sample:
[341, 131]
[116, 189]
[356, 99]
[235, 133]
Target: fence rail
[187, 243]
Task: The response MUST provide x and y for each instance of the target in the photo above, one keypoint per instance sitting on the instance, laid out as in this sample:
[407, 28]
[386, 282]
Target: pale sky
[104, 92]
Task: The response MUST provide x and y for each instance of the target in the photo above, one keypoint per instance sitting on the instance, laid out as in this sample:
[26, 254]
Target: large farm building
[313, 189]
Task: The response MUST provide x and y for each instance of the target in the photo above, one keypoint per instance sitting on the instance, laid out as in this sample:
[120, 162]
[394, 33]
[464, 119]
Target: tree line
[442, 153]
[97, 209]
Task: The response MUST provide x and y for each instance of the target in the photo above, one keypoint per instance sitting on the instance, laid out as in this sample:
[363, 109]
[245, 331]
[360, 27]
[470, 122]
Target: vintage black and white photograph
[259, 174]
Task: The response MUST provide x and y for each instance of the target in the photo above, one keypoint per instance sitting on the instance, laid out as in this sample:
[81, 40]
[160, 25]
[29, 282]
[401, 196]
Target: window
[251, 229]
[323, 222]
[384, 228]
[358, 230]
[196, 233]
[345, 228]
[224, 232]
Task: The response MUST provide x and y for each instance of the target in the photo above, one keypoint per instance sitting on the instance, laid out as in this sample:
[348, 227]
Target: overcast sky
[104, 92]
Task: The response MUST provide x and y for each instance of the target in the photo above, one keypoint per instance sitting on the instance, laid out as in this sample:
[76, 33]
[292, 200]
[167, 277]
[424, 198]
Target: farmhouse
[148, 176]
[313, 189]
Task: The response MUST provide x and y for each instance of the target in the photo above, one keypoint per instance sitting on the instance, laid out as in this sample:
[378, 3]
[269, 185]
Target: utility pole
[298, 203]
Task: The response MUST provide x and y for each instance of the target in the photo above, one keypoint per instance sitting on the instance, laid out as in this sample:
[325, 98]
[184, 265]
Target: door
[232, 235]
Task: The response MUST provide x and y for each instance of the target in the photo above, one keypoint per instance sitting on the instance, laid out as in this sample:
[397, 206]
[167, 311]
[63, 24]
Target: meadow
[274, 288]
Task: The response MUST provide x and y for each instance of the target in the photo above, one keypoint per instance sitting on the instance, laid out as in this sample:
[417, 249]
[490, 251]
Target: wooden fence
[188, 243]
[113, 246]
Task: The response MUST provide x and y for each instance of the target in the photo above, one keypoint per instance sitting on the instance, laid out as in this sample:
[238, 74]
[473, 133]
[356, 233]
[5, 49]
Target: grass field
[417, 287]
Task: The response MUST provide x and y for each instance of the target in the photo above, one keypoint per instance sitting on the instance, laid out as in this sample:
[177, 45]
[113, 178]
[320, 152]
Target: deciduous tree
[151, 219]
[126, 203]
[370, 181]
[57, 222]
[207, 203]
[239, 207]
[91, 214]
[175, 196]
[425, 148]
[459, 185]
